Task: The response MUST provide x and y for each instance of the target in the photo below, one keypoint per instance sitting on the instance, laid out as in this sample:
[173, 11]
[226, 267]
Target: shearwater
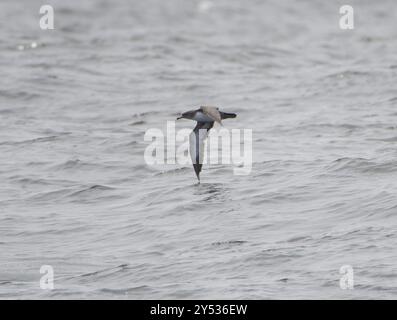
[205, 117]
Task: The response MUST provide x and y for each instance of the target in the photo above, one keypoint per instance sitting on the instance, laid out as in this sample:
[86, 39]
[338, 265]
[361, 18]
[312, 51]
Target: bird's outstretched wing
[196, 145]
[213, 113]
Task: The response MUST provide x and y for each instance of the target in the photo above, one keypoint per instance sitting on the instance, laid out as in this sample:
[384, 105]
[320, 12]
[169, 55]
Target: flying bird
[205, 117]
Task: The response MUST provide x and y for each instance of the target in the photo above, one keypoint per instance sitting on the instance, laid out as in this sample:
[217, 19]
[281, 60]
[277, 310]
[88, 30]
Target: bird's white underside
[194, 147]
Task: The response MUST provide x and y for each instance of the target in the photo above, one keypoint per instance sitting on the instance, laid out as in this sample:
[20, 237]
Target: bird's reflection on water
[213, 191]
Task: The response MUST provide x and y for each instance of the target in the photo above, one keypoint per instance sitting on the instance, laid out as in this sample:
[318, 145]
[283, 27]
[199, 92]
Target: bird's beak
[178, 118]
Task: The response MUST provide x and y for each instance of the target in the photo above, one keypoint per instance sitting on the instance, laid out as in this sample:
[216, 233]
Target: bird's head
[187, 115]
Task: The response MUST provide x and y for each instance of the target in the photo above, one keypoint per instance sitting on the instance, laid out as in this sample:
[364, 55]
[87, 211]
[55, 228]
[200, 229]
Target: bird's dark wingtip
[226, 115]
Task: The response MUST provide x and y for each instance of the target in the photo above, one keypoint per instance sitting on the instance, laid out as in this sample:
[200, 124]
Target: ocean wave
[361, 165]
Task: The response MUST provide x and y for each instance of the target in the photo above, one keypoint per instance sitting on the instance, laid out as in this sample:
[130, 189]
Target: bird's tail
[225, 115]
[197, 169]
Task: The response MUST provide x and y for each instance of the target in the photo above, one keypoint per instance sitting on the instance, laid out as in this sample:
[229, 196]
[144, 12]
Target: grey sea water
[76, 193]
